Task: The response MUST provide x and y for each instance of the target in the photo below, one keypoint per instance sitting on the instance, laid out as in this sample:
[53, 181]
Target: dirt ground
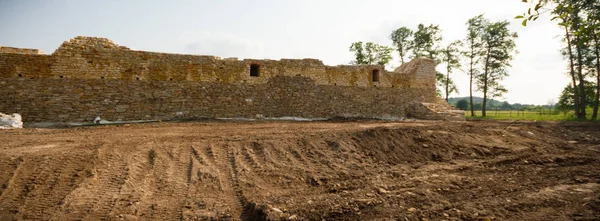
[360, 170]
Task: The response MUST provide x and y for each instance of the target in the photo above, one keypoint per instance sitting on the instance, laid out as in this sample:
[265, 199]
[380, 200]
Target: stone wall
[20, 50]
[88, 77]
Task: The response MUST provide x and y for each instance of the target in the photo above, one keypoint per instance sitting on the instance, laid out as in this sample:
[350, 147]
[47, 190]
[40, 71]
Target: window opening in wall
[61, 76]
[254, 70]
[375, 75]
[102, 77]
[170, 79]
[20, 75]
[137, 79]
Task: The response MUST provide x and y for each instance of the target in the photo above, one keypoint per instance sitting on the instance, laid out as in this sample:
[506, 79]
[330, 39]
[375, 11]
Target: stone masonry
[88, 77]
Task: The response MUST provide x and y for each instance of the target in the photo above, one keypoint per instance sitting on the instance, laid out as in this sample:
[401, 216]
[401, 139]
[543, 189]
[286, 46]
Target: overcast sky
[274, 29]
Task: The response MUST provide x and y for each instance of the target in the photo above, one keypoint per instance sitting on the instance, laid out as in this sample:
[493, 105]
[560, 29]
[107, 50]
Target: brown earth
[419, 170]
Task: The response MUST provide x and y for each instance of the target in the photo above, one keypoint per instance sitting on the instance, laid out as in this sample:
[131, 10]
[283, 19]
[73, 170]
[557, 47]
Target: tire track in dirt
[248, 209]
[8, 174]
[229, 183]
[110, 188]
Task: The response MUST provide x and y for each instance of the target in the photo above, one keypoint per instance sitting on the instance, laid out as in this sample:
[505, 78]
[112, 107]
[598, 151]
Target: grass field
[526, 115]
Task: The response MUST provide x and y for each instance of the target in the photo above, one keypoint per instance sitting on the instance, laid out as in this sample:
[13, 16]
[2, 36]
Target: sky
[275, 29]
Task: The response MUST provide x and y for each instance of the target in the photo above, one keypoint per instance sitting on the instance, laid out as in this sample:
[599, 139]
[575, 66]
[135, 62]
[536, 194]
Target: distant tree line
[462, 103]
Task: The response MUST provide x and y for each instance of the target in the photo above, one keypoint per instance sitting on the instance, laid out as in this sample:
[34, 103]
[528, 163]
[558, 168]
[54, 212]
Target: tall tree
[563, 13]
[450, 55]
[426, 41]
[371, 53]
[473, 42]
[590, 33]
[499, 45]
[401, 38]
[576, 24]
[579, 18]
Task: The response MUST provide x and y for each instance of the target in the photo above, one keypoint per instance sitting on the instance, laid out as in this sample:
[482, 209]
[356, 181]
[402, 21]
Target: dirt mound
[303, 171]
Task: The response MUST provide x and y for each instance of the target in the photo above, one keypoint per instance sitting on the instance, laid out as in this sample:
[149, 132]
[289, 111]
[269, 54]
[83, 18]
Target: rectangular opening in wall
[375, 75]
[254, 70]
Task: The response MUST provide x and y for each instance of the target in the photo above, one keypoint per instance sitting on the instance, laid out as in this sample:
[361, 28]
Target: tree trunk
[471, 81]
[597, 50]
[582, 103]
[572, 66]
[400, 50]
[447, 79]
[485, 81]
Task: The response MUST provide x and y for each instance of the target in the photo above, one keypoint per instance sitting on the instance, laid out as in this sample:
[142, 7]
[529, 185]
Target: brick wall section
[12, 50]
[88, 77]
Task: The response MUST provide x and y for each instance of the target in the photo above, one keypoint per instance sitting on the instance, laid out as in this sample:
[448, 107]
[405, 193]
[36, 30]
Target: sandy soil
[362, 170]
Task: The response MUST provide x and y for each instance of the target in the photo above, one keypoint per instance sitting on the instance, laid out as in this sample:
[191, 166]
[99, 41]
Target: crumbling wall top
[88, 43]
[14, 50]
[412, 66]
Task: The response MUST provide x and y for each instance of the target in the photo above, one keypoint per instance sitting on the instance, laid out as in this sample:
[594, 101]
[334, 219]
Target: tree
[566, 101]
[590, 33]
[371, 53]
[506, 106]
[462, 104]
[563, 13]
[402, 41]
[359, 53]
[581, 22]
[473, 50]
[498, 45]
[451, 57]
[426, 41]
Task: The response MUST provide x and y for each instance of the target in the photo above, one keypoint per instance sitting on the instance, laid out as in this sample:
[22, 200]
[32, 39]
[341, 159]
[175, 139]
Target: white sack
[10, 121]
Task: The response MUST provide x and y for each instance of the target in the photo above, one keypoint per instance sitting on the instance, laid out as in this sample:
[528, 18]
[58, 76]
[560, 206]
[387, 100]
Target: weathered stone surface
[4, 49]
[440, 110]
[88, 77]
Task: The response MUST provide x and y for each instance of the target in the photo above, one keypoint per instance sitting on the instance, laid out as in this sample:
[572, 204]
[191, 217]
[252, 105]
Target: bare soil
[361, 170]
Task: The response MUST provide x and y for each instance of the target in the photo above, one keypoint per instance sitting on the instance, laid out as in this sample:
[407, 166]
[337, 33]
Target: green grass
[527, 115]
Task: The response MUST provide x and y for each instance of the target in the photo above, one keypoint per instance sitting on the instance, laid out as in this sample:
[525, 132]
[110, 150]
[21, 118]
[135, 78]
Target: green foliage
[426, 41]
[532, 14]
[401, 38]
[371, 53]
[473, 50]
[441, 81]
[581, 21]
[498, 45]
[359, 52]
[506, 106]
[462, 104]
[493, 104]
[566, 101]
[450, 55]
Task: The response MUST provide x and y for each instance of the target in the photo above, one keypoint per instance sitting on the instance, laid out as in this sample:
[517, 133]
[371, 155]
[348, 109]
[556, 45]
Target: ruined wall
[20, 50]
[88, 77]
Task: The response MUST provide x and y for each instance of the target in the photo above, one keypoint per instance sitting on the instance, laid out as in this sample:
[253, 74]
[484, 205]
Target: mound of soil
[361, 170]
